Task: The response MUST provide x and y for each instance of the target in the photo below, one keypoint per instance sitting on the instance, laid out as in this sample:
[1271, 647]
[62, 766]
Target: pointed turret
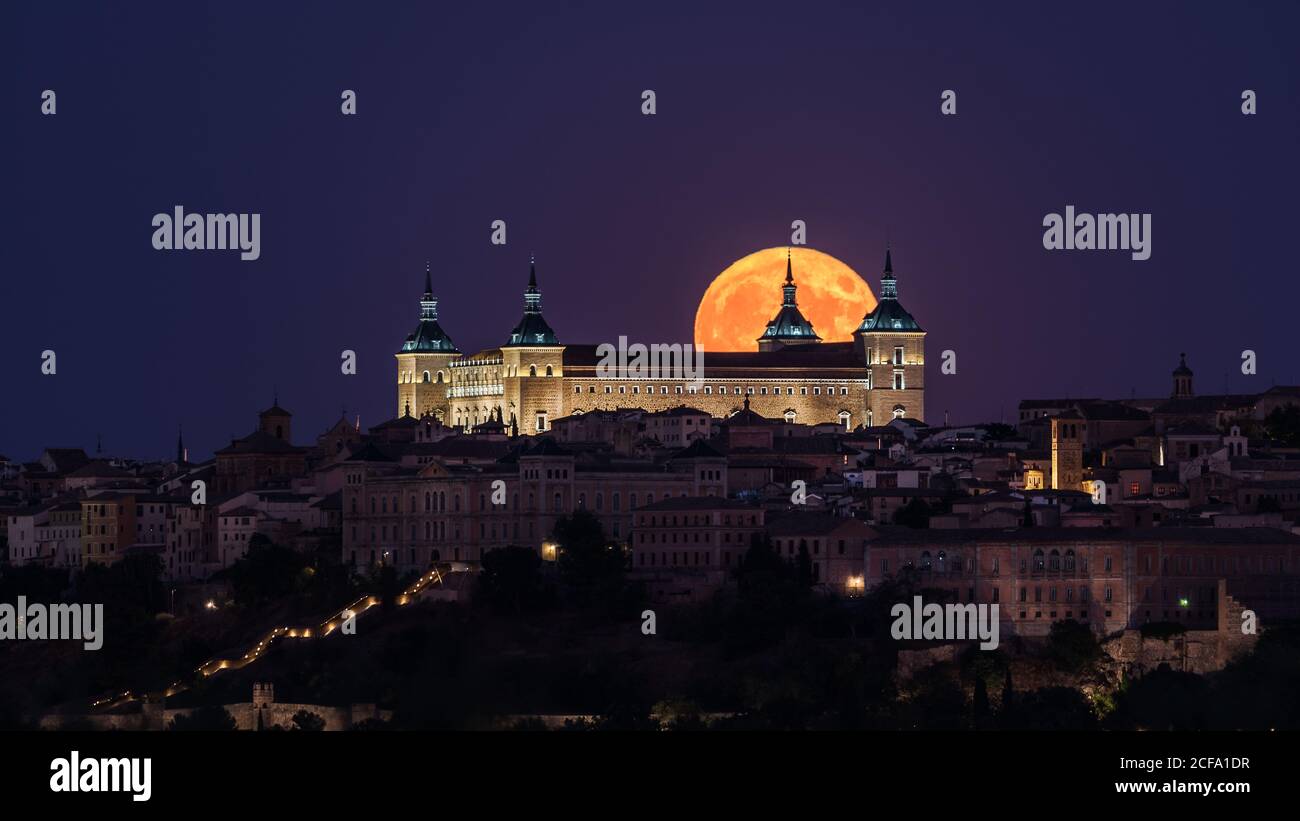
[428, 337]
[789, 326]
[532, 329]
[888, 315]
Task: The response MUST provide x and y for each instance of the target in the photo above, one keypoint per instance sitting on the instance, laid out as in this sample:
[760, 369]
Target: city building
[533, 378]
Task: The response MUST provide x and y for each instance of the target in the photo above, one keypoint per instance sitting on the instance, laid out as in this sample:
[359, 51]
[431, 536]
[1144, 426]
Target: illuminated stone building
[533, 378]
[409, 516]
[1108, 578]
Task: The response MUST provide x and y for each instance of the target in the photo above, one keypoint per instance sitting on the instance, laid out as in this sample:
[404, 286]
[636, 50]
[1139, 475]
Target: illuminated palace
[534, 379]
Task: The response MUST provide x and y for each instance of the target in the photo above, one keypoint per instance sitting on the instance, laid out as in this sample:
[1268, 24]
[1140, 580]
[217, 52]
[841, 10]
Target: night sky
[767, 112]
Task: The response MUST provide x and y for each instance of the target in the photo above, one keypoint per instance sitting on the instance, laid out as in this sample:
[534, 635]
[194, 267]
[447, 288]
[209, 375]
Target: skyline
[464, 118]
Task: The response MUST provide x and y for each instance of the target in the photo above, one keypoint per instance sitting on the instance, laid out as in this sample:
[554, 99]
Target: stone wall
[154, 717]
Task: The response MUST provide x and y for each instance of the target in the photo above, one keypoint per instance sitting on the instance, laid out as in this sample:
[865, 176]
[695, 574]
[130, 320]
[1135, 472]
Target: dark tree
[1052, 708]
[1073, 647]
[980, 703]
[204, 718]
[308, 721]
[915, 514]
[1283, 425]
[511, 578]
[267, 573]
[588, 561]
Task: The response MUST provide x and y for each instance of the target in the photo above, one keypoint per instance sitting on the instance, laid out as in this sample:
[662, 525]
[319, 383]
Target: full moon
[742, 299]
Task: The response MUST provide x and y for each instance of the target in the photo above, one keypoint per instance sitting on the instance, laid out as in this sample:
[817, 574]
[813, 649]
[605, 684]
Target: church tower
[891, 344]
[788, 327]
[532, 364]
[423, 363]
[1182, 379]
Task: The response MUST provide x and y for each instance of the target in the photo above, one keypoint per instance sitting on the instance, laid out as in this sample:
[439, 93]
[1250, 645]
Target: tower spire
[788, 289]
[532, 329]
[888, 284]
[428, 304]
[532, 296]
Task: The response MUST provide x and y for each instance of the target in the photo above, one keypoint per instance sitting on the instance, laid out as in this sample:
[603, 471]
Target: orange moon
[742, 299]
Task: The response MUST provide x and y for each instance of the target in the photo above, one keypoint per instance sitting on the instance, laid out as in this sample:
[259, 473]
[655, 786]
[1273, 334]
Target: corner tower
[532, 364]
[891, 344]
[423, 362]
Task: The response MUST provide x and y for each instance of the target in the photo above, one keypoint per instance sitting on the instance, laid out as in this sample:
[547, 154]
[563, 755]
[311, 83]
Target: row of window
[723, 391]
[437, 502]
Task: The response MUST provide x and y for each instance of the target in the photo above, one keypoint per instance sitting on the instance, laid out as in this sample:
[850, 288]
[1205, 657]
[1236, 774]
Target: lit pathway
[213, 666]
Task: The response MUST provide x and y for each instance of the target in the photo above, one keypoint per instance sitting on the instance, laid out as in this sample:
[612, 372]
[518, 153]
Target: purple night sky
[530, 113]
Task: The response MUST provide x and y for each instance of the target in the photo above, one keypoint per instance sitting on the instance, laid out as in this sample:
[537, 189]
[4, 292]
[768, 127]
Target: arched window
[1054, 560]
[439, 377]
[899, 411]
[1038, 560]
[426, 376]
[943, 560]
[549, 372]
[1069, 560]
[428, 502]
[925, 560]
[532, 370]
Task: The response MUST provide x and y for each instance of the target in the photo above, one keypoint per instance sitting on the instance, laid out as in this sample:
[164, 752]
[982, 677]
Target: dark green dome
[532, 329]
[889, 314]
[789, 324]
[428, 337]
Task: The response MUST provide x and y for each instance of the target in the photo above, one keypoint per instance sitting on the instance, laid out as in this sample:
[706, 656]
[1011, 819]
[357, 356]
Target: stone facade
[1111, 579]
[411, 518]
[878, 376]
